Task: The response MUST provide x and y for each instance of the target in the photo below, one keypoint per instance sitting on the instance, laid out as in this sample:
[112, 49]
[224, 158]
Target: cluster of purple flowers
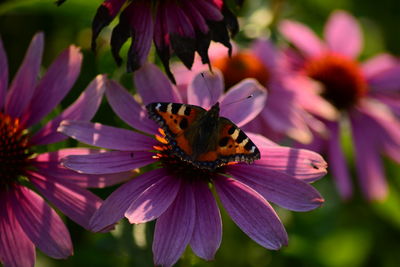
[305, 93]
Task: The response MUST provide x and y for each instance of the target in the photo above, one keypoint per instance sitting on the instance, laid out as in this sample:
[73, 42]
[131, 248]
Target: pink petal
[368, 163]
[300, 163]
[174, 228]
[141, 23]
[252, 213]
[84, 108]
[154, 201]
[238, 107]
[265, 51]
[3, 75]
[280, 188]
[56, 83]
[337, 163]
[77, 203]
[42, 224]
[115, 206]
[378, 63]
[343, 34]
[386, 81]
[207, 233]
[153, 86]
[302, 37]
[125, 106]
[205, 89]
[16, 249]
[108, 162]
[22, 88]
[109, 137]
[261, 141]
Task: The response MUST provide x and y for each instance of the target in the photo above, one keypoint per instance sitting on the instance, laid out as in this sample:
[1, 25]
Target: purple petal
[196, 18]
[302, 164]
[77, 203]
[174, 228]
[343, 34]
[154, 201]
[377, 64]
[302, 37]
[252, 213]
[22, 88]
[42, 224]
[108, 162]
[238, 107]
[55, 84]
[387, 80]
[153, 86]
[207, 233]
[178, 22]
[16, 249]
[206, 88]
[106, 136]
[210, 11]
[280, 188]
[265, 51]
[84, 108]
[50, 163]
[128, 109]
[3, 75]
[115, 206]
[337, 162]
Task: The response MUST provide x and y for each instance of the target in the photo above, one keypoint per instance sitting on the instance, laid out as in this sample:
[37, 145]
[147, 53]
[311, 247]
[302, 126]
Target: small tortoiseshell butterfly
[202, 137]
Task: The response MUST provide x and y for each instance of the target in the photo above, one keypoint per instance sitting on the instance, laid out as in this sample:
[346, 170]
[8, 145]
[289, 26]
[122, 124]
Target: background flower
[177, 194]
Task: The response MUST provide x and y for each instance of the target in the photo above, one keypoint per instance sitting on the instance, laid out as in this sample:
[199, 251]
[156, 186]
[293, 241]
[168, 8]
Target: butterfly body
[202, 137]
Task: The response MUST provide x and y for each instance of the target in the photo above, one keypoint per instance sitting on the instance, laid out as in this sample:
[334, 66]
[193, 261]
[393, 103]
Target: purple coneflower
[176, 26]
[288, 112]
[26, 220]
[365, 94]
[178, 194]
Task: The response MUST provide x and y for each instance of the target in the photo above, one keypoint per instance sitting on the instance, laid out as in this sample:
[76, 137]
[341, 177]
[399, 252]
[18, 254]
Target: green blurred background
[353, 233]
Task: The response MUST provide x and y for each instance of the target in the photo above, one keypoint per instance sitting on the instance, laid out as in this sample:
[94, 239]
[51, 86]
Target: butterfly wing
[175, 119]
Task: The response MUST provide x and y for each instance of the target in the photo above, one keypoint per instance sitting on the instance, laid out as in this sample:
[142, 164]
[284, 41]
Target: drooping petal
[377, 64]
[207, 233]
[108, 162]
[115, 206]
[337, 162]
[302, 164]
[83, 108]
[22, 87]
[16, 249]
[205, 89]
[368, 162]
[50, 163]
[386, 81]
[77, 203]
[128, 109]
[302, 37]
[154, 201]
[280, 188]
[210, 11]
[56, 83]
[343, 34]
[153, 86]
[196, 18]
[3, 75]
[252, 213]
[41, 224]
[109, 137]
[243, 102]
[174, 228]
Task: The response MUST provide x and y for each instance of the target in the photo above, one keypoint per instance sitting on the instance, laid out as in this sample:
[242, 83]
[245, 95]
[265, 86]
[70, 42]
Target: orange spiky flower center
[240, 66]
[342, 80]
[14, 150]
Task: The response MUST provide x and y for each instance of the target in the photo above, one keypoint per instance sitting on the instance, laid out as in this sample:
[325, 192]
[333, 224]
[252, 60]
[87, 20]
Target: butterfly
[202, 137]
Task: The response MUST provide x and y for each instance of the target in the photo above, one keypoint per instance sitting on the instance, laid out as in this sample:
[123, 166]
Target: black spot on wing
[184, 124]
[241, 137]
[187, 110]
[249, 146]
[163, 107]
[223, 141]
[231, 130]
[175, 108]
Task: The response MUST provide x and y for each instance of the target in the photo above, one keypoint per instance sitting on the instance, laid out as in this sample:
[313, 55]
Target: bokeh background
[352, 233]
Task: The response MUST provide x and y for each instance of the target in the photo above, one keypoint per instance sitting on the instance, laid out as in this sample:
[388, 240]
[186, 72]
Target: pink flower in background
[176, 26]
[177, 193]
[26, 220]
[366, 94]
[287, 112]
